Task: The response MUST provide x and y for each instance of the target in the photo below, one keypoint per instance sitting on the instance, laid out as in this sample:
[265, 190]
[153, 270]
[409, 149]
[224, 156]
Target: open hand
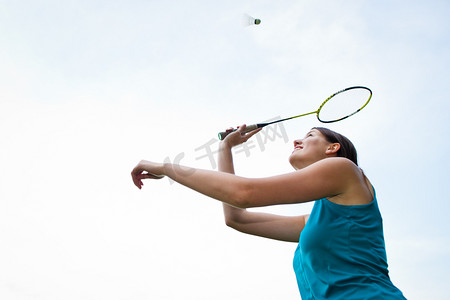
[146, 170]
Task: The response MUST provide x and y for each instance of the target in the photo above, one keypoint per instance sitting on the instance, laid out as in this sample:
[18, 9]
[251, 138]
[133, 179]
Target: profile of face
[312, 148]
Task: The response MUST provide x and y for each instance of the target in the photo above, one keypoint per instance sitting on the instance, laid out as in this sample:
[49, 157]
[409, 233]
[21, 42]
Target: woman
[340, 252]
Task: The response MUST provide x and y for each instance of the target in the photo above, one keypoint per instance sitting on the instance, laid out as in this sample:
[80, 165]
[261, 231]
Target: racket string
[344, 104]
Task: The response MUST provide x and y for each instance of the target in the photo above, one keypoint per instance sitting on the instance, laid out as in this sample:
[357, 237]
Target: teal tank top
[341, 254]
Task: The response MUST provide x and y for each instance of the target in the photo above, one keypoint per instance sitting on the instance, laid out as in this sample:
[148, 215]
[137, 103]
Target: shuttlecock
[248, 20]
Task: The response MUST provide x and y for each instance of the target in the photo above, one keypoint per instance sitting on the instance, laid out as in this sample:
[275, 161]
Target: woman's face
[312, 148]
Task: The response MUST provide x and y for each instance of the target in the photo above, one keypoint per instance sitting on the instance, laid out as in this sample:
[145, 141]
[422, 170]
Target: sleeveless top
[341, 254]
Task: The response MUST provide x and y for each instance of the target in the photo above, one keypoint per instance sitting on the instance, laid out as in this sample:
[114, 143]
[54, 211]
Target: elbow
[234, 218]
[243, 196]
[231, 218]
[230, 222]
[242, 200]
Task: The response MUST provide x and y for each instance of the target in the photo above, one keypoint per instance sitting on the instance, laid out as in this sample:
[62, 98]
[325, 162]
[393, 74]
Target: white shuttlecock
[248, 20]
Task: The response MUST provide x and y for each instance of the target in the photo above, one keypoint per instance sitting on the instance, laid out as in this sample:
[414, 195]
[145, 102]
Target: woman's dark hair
[346, 150]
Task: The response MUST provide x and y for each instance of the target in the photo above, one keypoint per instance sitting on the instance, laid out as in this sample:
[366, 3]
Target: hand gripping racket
[337, 107]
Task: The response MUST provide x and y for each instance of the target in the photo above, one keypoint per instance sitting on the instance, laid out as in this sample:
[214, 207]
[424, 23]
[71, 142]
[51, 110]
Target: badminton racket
[337, 107]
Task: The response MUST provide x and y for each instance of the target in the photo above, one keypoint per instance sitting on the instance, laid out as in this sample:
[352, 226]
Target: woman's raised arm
[255, 223]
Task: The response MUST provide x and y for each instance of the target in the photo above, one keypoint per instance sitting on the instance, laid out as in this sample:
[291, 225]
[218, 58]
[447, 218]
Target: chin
[292, 162]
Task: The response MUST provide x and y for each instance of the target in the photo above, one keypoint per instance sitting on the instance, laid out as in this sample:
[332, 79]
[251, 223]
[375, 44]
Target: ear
[333, 148]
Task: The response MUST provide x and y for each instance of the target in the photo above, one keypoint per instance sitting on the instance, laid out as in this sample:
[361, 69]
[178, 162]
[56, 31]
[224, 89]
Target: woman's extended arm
[328, 177]
[271, 226]
[325, 178]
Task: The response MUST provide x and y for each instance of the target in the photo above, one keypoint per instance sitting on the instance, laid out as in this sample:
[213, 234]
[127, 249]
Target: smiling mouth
[297, 148]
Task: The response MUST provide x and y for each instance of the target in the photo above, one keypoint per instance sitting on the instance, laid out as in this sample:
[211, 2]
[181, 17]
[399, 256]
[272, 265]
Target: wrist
[224, 145]
[165, 168]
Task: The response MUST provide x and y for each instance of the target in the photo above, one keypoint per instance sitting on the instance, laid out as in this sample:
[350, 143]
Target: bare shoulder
[340, 165]
[356, 187]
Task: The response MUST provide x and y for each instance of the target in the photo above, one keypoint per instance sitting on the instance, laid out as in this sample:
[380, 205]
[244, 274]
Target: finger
[150, 176]
[137, 182]
[252, 133]
[154, 176]
[142, 176]
[241, 129]
[133, 177]
[135, 174]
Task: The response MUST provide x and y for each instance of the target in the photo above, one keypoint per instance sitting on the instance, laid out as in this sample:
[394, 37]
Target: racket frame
[252, 127]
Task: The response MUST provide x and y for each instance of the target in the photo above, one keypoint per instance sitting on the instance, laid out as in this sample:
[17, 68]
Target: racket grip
[249, 128]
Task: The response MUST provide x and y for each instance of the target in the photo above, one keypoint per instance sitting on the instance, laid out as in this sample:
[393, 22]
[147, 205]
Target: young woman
[340, 252]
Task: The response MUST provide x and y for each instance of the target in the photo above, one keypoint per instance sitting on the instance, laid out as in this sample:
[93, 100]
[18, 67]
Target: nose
[298, 142]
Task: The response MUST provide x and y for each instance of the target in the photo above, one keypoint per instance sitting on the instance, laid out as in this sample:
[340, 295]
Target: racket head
[344, 104]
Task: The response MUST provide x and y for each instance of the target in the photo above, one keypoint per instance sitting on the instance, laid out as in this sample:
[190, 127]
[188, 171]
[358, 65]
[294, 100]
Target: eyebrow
[308, 133]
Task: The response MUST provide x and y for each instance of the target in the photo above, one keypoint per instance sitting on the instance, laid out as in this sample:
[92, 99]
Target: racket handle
[249, 128]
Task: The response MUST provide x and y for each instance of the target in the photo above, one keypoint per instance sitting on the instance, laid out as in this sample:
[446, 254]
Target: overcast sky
[89, 88]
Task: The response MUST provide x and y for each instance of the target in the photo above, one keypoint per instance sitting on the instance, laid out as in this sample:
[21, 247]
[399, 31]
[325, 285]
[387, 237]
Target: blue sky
[89, 88]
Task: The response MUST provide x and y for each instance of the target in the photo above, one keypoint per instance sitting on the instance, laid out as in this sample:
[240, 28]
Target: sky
[89, 88]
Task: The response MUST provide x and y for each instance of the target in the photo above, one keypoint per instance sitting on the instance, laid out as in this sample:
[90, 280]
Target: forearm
[225, 159]
[225, 162]
[222, 186]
